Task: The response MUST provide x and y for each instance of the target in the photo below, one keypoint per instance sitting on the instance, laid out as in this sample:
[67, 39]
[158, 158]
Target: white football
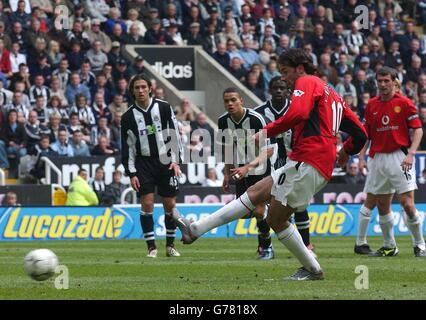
[40, 264]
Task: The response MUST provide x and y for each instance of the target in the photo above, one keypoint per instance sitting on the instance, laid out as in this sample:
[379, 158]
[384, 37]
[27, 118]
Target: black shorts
[280, 162]
[151, 172]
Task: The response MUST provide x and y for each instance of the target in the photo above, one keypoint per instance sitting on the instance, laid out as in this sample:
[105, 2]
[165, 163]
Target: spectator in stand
[100, 130]
[174, 33]
[284, 20]
[34, 130]
[134, 37]
[42, 149]
[117, 105]
[63, 73]
[75, 87]
[194, 37]
[355, 39]
[96, 34]
[100, 108]
[133, 20]
[21, 14]
[123, 90]
[326, 69]
[97, 9]
[61, 146]
[231, 34]
[155, 35]
[237, 69]
[14, 136]
[114, 190]
[96, 57]
[75, 57]
[121, 70]
[55, 126]
[78, 35]
[137, 67]
[160, 93]
[346, 87]
[222, 56]
[83, 110]
[75, 124]
[353, 175]
[252, 83]
[184, 111]
[249, 55]
[270, 72]
[117, 34]
[16, 58]
[5, 62]
[87, 77]
[80, 193]
[78, 145]
[11, 200]
[39, 90]
[103, 148]
[98, 183]
[415, 69]
[104, 87]
[114, 18]
[211, 179]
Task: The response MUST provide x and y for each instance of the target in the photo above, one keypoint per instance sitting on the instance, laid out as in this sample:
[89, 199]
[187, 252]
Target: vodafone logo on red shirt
[298, 93]
[385, 120]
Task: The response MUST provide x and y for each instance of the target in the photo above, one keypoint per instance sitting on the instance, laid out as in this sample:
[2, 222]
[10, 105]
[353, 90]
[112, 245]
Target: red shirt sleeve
[412, 115]
[306, 91]
[358, 134]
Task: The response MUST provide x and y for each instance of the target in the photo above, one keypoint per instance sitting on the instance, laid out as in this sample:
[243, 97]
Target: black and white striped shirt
[250, 123]
[152, 132]
[39, 91]
[284, 139]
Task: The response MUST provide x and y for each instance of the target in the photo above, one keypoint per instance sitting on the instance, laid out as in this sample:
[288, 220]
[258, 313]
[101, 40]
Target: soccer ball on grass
[40, 264]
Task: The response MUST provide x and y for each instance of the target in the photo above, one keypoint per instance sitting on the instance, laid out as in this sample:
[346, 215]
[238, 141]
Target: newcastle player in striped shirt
[241, 123]
[151, 151]
[273, 110]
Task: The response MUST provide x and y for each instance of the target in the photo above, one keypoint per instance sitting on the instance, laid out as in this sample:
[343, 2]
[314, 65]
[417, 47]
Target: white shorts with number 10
[296, 183]
[385, 174]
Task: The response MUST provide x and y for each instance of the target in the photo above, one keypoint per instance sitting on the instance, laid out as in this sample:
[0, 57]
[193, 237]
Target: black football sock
[303, 223]
[170, 229]
[147, 224]
[264, 236]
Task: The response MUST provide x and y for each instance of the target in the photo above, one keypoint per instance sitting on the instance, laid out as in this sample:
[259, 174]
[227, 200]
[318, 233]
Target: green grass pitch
[210, 269]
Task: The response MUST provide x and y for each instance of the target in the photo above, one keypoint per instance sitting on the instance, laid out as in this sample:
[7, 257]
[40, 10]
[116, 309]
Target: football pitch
[224, 269]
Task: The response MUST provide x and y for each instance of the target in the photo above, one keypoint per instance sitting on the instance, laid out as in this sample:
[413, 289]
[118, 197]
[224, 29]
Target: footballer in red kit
[316, 114]
[389, 117]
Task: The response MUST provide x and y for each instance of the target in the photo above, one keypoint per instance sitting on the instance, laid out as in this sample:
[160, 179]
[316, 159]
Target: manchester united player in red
[316, 114]
[388, 119]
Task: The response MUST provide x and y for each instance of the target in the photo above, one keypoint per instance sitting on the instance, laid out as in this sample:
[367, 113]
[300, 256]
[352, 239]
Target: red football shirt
[316, 114]
[388, 123]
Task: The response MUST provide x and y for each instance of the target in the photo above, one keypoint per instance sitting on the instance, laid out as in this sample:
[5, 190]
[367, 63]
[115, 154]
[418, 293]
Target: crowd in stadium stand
[63, 76]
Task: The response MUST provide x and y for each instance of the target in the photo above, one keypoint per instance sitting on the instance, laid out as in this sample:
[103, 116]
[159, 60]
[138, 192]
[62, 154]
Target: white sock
[291, 238]
[415, 226]
[386, 224]
[364, 217]
[234, 210]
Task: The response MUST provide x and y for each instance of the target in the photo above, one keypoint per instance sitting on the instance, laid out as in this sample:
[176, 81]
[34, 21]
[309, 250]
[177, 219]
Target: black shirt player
[151, 151]
[241, 123]
[274, 109]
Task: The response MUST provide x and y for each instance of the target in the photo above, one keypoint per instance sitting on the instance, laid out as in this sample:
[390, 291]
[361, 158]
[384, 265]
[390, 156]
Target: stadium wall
[122, 222]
